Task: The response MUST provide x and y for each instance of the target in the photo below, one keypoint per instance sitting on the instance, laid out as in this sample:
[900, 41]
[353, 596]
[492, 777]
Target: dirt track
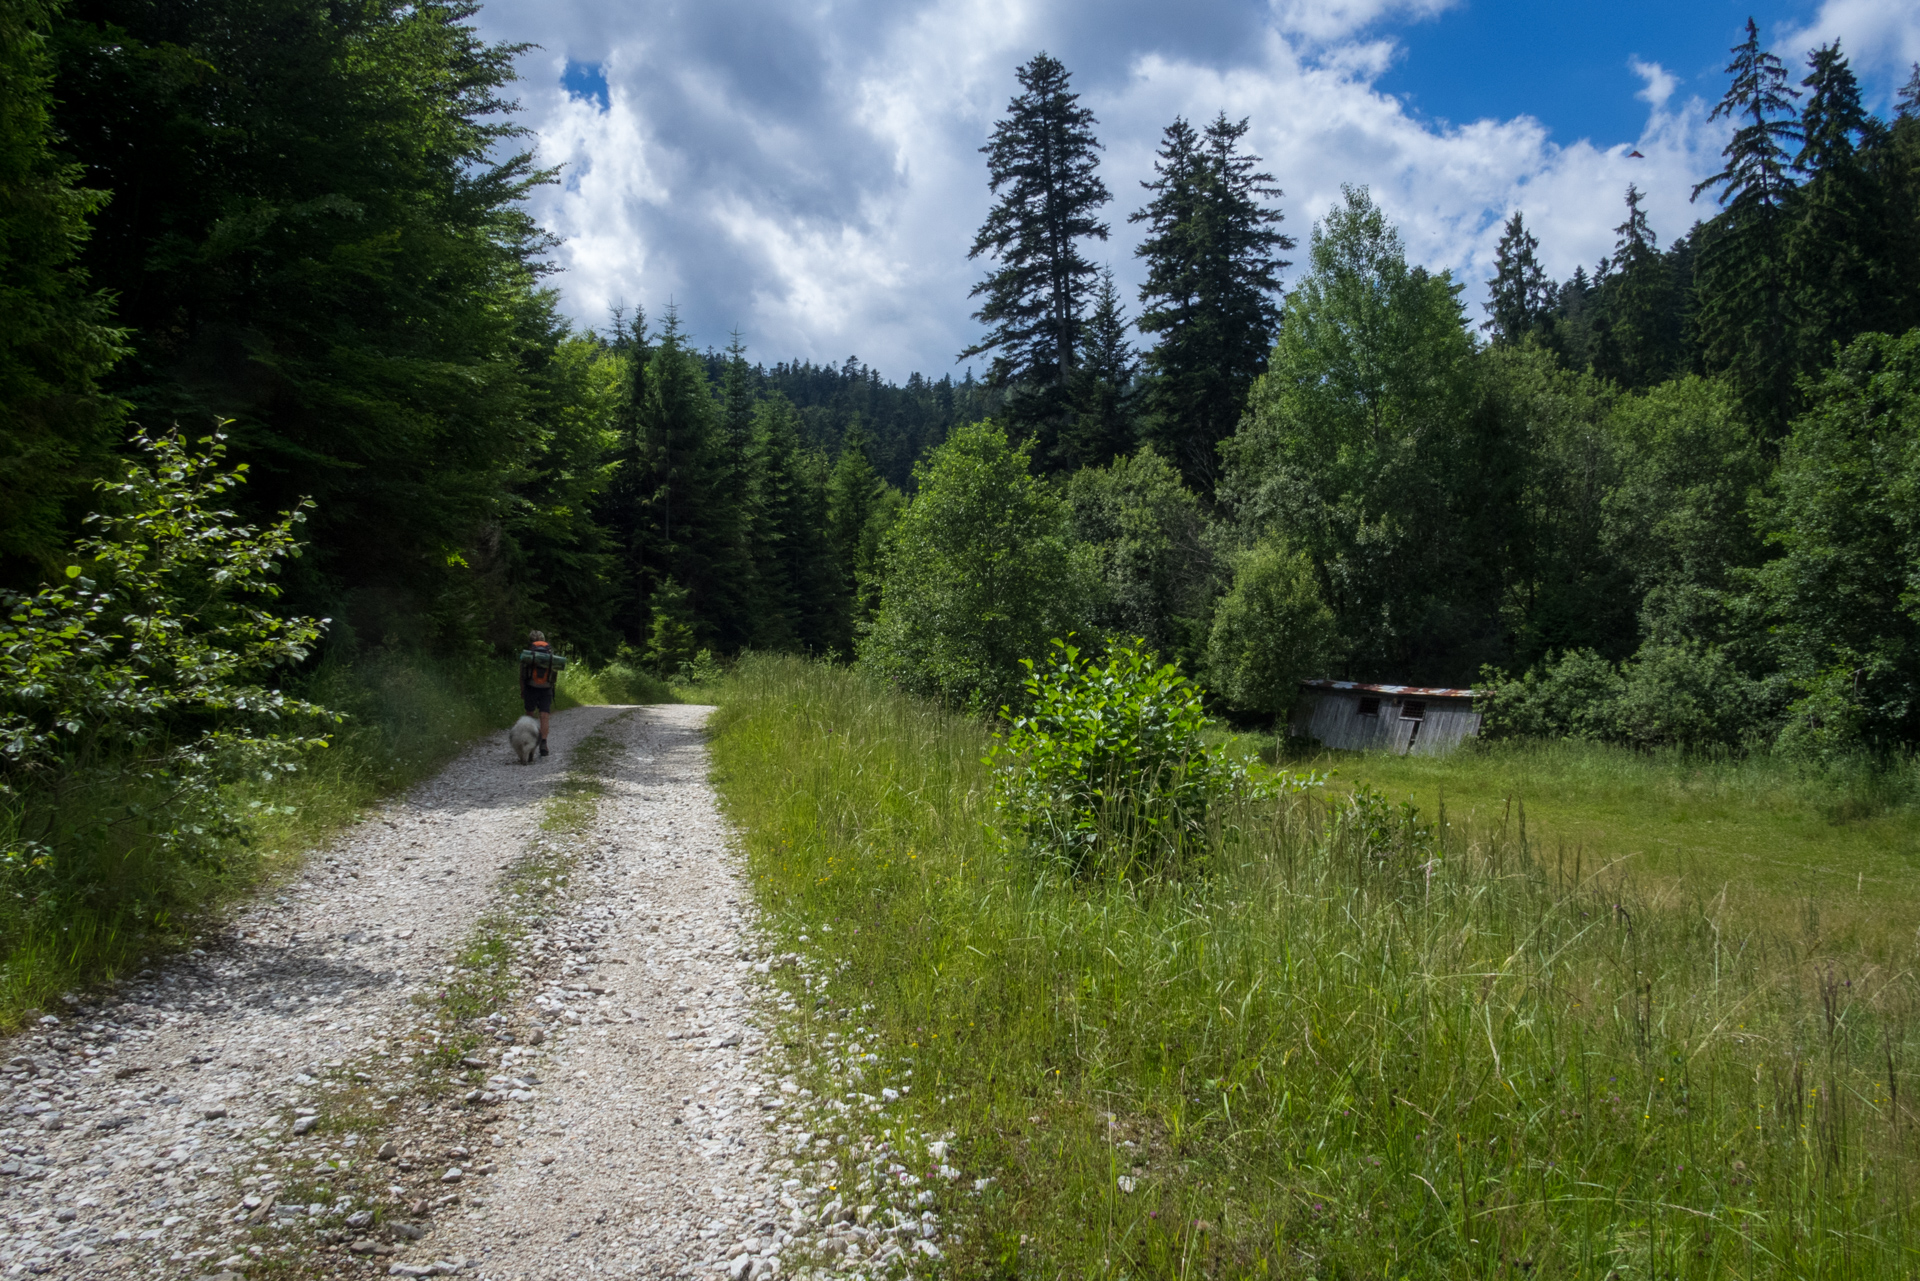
[271, 1105]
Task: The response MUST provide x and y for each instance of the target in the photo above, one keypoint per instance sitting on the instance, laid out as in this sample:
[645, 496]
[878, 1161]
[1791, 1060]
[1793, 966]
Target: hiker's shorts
[537, 700]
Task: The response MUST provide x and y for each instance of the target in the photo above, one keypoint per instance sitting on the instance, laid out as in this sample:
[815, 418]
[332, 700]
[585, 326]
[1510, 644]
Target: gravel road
[301, 1096]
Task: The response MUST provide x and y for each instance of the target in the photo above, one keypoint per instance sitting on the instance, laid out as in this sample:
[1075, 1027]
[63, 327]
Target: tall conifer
[693, 513]
[1102, 427]
[1637, 337]
[1842, 280]
[1742, 317]
[1042, 164]
[1519, 297]
[1211, 294]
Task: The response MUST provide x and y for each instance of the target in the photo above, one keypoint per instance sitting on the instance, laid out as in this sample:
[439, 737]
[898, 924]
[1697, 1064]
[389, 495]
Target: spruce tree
[623, 505]
[1519, 297]
[1842, 279]
[1637, 342]
[693, 530]
[55, 428]
[1897, 165]
[793, 563]
[1102, 427]
[860, 507]
[1741, 282]
[1042, 164]
[1213, 277]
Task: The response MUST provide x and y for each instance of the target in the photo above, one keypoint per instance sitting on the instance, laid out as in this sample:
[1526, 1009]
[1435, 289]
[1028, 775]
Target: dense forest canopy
[1666, 500]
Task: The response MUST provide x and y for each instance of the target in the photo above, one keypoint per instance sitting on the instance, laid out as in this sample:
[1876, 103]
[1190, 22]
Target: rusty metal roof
[1418, 691]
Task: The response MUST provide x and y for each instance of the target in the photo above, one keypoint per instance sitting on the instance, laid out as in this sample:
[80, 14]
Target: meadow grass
[1827, 854]
[1367, 1042]
[111, 898]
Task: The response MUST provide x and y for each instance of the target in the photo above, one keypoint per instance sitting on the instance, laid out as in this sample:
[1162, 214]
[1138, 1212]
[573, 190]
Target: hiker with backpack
[539, 673]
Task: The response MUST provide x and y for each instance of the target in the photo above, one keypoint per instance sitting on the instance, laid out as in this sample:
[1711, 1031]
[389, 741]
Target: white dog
[524, 737]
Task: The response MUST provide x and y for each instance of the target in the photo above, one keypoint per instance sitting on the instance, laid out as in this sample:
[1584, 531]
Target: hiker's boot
[543, 747]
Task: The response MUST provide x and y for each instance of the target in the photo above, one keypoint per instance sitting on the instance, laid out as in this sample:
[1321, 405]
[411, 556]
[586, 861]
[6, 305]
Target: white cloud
[1329, 20]
[1881, 38]
[813, 176]
[1660, 83]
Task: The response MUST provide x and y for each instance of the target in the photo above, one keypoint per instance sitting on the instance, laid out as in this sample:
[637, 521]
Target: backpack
[541, 665]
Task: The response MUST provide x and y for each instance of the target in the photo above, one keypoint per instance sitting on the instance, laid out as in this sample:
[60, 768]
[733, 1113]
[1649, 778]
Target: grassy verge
[98, 906]
[1371, 1043]
[1828, 857]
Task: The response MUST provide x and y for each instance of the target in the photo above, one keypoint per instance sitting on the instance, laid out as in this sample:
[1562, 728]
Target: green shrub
[624, 681]
[979, 574]
[1270, 631]
[670, 641]
[1106, 772]
[1667, 695]
[134, 697]
[702, 669]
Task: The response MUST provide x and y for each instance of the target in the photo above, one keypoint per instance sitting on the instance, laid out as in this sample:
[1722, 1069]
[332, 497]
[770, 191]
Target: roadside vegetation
[1820, 852]
[1346, 1036]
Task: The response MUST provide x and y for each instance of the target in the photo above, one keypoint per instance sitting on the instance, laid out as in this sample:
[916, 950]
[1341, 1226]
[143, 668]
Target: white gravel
[159, 1131]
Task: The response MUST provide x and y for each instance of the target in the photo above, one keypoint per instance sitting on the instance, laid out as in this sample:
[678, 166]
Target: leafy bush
[1152, 552]
[1667, 695]
[980, 575]
[156, 651]
[1270, 631]
[1106, 772]
[133, 693]
[626, 680]
[701, 669]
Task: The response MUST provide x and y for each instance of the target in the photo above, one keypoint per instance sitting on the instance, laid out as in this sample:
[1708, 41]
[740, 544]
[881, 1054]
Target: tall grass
[108, 896]
[1372, 1041]
[1819, 851]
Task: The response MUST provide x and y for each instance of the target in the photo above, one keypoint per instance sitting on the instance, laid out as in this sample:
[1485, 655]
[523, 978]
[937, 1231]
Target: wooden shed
[1402, 719]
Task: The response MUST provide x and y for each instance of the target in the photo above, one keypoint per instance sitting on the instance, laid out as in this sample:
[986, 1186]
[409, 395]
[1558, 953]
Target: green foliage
[1102, 385]
[1677, 518]
[670, 642]
[134, 695]
[55, 339]
[1565, 586]
[1213, 277]
[693, 524]
[319, 234]
[157, 647]
[1151, 545]
[1362, 448]
[1744, 327]
[980, 574]
[795, 561]
[701, 669]
[562, 560]
[1043, 167]
[1519, 297]
[1270, 631]
[1104, 771]
[1683, 695]
[861, 509]
[1841, 594]
[1636, 339]
[1264, 1052]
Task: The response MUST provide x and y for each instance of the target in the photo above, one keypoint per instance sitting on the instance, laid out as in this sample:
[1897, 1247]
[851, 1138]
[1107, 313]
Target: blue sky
[811, 174]
[1570, 65]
